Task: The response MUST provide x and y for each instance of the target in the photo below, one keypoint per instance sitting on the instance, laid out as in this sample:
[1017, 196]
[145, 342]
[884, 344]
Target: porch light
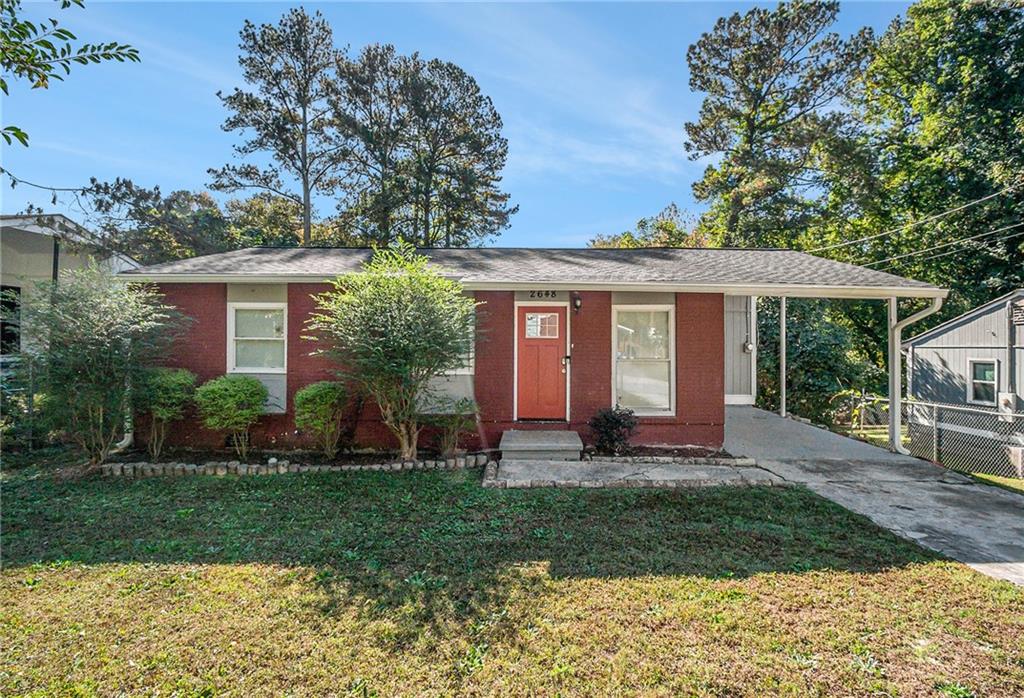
[577, 302]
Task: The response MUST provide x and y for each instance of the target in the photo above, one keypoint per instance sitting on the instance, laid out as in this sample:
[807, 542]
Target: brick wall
[202, 349]
[700, 365]
[590, 387]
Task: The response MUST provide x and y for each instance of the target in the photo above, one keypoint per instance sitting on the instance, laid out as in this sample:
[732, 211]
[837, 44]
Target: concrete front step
[539, 445]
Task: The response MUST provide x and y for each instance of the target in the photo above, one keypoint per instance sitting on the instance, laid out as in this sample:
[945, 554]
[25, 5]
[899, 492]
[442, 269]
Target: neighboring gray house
[975, 359]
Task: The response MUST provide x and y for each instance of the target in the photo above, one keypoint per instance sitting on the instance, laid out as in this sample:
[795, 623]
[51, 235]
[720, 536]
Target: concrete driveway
[980, 525]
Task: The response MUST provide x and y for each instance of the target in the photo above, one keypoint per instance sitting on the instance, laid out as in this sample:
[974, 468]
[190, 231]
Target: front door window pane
[542, 325]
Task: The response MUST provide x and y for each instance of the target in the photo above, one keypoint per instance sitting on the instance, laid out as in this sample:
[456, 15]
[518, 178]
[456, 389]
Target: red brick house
[669, 333]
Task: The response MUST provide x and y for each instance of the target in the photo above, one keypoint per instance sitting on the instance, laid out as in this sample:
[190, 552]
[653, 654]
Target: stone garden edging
[275, 467]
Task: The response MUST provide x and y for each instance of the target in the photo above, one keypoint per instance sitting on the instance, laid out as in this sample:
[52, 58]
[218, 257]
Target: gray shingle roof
[493, 265]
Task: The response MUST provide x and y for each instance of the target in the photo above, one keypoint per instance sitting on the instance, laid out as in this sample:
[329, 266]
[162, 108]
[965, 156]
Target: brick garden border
[275, 467]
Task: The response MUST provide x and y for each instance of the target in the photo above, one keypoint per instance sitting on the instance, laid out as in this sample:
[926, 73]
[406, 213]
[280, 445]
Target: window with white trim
[469, 362]
[257, 337]
[643, 338]
[982, 381]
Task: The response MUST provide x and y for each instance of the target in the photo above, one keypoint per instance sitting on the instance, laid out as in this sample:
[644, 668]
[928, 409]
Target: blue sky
[593, 96]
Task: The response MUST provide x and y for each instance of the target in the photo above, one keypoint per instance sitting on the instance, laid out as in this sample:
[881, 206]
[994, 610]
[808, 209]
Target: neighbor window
[981, 387]
[256, 337]
[10, 320]
[644, 370]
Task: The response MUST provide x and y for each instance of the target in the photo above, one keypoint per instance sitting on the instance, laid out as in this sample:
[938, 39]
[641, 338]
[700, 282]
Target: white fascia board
[790, 290]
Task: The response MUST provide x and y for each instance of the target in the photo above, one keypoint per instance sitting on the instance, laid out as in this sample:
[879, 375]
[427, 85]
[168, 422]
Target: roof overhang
[789, 290]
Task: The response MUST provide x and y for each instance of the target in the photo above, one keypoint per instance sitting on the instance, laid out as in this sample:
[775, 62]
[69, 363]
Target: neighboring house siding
[940, 373]
[939, 363]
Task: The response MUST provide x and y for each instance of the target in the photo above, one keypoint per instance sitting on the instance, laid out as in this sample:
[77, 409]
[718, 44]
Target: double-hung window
[643, 338]
[982, 381]
[257, 337]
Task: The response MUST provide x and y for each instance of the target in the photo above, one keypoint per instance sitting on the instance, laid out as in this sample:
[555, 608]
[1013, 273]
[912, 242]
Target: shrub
[88, 338]
[613, 429]
[163, 394]
[232, 403]
[453, 419]
[396, 325]
[319, 409]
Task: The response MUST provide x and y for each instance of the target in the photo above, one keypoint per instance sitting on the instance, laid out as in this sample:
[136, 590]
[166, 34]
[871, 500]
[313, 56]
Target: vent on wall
[1018, 313]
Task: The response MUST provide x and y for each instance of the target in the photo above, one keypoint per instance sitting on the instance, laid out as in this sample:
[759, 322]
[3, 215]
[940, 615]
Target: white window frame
[232, 307]
[671, 309]
[468, 368]
[970, 382]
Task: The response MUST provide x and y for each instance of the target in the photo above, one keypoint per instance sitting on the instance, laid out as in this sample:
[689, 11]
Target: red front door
[542, 366]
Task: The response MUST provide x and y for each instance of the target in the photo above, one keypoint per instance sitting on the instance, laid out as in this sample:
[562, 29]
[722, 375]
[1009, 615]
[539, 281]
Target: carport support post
[782, 356]
[895, 368]
[895, 378]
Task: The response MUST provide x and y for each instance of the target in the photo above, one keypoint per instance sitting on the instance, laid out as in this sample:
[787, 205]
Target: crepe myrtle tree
[89, 338]
[393, 326]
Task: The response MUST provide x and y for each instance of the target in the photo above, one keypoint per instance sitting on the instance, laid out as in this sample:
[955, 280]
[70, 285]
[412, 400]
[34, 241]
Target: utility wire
[914, 224]
[944, 244]
[1002, 238]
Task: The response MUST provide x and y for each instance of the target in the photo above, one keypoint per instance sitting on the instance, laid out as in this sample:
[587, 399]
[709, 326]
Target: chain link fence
[966, 438]
[972, 439]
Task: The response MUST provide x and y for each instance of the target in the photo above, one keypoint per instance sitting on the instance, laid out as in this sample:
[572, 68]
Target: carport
[891, 297]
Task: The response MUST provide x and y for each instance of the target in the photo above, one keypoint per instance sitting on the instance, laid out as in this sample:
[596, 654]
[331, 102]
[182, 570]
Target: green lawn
[1014, 484]
[423, 583]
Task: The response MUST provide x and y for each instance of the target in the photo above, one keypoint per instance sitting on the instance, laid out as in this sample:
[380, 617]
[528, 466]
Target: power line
[944, 254]
[914, 224]
[944, 244]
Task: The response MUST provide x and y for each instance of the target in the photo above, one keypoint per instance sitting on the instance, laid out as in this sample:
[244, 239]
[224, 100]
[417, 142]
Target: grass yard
[423, 583]
[1014, 484]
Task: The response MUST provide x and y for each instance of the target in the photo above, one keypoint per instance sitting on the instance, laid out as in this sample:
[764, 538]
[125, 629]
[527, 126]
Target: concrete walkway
[541, 473]
[980, 525]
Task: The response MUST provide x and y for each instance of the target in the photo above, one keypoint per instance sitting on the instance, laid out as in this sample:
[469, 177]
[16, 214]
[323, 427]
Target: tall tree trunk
[307, 224]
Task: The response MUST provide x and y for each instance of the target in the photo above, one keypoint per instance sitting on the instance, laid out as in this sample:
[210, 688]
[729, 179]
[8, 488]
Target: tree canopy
[290, 71]
[43, 52]
[902, 152]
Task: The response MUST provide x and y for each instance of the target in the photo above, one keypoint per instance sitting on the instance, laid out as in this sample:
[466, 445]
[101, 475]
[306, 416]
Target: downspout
[1011, 358]
[782, 357]
[895, 370]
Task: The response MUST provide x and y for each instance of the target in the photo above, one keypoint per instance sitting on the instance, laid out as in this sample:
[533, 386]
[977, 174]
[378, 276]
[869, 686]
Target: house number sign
[544, 295]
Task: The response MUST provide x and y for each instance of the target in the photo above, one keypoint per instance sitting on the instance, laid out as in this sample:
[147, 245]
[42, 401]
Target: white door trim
[515, 350]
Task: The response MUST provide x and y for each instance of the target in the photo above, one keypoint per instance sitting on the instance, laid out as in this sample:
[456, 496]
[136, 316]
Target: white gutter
[895, 368]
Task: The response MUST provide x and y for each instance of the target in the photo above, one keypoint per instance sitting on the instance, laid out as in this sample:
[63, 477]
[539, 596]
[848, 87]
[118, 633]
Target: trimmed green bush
[319, 409]
[232, 403]
[394, 326]
[612, 429]
[89, 339]
[163, 394]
